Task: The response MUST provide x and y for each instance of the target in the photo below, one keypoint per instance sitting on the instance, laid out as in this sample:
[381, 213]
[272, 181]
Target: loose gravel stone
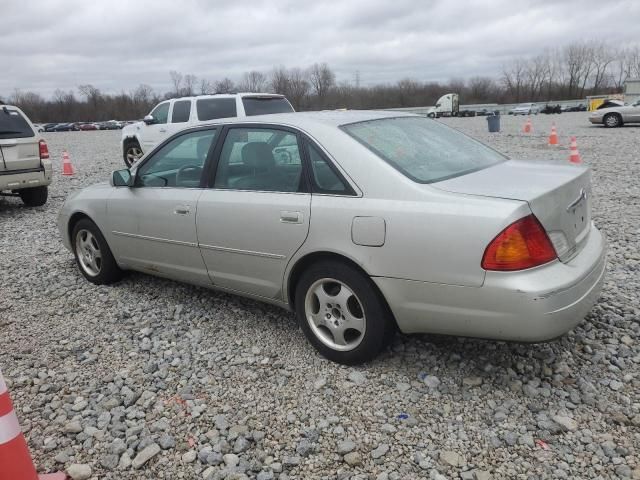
[104, 372]
[79, 471]
[146, 454]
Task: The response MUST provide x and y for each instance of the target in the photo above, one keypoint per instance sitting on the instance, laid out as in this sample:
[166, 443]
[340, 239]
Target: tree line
[571, 72]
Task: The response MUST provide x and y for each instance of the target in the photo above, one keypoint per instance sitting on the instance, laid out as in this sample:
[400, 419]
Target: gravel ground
[154, 379]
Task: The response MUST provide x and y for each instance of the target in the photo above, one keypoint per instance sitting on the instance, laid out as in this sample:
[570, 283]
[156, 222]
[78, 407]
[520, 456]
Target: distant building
[632, 90]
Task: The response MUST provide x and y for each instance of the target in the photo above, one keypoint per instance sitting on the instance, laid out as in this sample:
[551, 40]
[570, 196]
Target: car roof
[302, 120]
[228, 95]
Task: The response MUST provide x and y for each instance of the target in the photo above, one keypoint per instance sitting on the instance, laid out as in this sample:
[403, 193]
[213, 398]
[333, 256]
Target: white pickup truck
[25, 167]
[173, 115]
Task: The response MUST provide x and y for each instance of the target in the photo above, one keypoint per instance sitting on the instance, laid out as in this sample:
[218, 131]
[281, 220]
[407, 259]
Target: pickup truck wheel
[34, 197]
[93, 255]
[131, 152]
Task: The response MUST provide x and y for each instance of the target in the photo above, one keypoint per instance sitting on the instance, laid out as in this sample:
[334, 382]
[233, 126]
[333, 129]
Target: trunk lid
[558, 195]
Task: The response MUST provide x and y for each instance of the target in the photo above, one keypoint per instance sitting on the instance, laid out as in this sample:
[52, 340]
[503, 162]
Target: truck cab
[447, 105]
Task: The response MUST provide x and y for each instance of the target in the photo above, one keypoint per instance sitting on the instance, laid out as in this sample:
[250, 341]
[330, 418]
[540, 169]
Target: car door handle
[163, 130]
[182, 210]
[290, 217]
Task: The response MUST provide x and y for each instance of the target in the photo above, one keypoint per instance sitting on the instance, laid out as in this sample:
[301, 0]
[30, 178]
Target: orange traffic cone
[15, 461]
[553, 138]
[574, 156]
[527, 126]
[67, 167]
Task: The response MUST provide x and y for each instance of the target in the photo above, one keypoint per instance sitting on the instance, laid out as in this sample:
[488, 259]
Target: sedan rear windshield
[13, 124]
[424, 150]
[265, 105]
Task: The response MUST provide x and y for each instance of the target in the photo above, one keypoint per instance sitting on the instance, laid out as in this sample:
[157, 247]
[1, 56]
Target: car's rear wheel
[342, 314]
[612, 120]
[93, 255]
[34, 197]
[131, 152]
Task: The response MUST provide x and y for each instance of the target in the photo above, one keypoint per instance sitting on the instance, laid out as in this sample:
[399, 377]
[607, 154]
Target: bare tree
[279, 80]
[190, 82]
[253, 81]
[206, 87]
[322, 79]
[225, 85]
[298, 87]
[176, 80]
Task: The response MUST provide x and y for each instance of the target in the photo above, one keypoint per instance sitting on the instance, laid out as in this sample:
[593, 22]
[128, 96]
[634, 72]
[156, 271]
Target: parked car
[38, 127]
[525, 109]
[362, 222]
[577, 108]
[25, 167]
[549, 109]
[50, 126]
[87, 126]
[172, 115]
[65, 127]
[616, 116]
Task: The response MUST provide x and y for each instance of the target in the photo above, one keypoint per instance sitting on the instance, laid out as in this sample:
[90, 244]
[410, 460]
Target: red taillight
[523, 244]
[44, 150]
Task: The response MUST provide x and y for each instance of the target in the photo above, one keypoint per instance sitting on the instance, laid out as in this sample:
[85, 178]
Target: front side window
[181, 111]
[259, 159]
[160, 114]
[179, 163]
[213, 108]
[421, 149]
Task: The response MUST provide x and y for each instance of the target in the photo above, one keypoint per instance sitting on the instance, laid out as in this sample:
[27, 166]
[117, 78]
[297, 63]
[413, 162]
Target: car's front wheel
[342, 314]
[612, 120]
[131, 152]
[34, 197]
[93, 255]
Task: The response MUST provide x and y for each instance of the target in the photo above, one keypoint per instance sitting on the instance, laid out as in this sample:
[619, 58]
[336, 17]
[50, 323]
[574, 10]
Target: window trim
[207, 160]
[304, 186]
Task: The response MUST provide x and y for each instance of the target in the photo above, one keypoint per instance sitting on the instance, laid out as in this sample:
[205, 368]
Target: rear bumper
[28, 178]
[530, 306]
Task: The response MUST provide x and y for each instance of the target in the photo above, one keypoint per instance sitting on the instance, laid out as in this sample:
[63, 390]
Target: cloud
[117, 45]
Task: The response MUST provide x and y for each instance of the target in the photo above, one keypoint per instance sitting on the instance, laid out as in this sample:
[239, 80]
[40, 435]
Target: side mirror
[122, 178]
[149, 120]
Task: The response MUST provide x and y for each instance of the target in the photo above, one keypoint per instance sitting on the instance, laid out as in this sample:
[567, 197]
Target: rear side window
[212, 108]
[325, 178]
[181, 111]
[13, 124]
[265, 105]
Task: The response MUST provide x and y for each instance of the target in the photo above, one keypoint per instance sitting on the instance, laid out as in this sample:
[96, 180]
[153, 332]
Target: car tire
[342, 314]
[612, 120]
[131, 152]
[93, 255]
[34, 197]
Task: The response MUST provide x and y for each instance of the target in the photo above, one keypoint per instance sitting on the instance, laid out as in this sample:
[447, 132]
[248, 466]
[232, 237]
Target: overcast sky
[119, 44]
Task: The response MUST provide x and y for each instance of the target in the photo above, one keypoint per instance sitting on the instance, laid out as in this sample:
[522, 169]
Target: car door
[153, 133]
[255, 216]
[152, 223]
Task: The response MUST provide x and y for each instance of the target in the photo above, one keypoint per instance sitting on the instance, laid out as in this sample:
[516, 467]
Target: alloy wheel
[335, 314]
[88, 252]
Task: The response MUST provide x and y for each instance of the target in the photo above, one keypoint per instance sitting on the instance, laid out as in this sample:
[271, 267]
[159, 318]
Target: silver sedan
[363, 223]
[616, 116]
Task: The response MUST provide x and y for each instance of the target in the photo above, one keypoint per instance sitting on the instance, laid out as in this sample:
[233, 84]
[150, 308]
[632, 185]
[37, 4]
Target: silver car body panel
[628, 113]
[422, 245]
